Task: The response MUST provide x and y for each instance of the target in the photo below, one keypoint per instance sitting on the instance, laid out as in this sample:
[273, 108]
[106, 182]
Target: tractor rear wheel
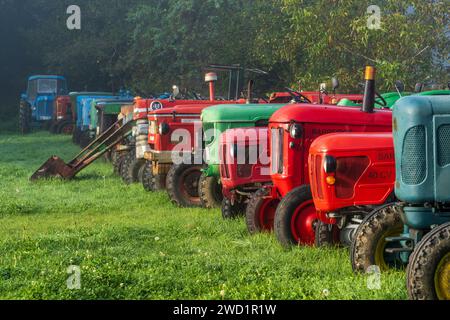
[260, 212]
[210, 192]
[117, 159]
[296, 218]
[24, 117]
[232, 211]
[134, 168]
[327, 235]
[125, 165]
[428, 274]
[369, 246]
[76, 136]
[183, 185]
[150, 181]
[85, 139]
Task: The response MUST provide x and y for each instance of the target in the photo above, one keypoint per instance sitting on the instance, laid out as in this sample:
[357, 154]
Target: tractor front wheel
[370, 245]
[232, 211]
[210, 192]
[260, 213]
[428, 274]
[150, 181]
[24, 117]
[296, 218]
[183, 185]
[65, 128]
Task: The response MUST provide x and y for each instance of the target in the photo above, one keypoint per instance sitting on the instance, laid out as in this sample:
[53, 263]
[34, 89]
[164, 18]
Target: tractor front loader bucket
[56, 167]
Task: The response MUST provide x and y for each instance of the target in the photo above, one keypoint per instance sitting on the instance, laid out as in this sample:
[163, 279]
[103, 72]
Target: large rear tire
[183, 185]
[369, 246]
[428, 274]
[151, 182]
[260, 213]
[210, 192]
[76, 136]
[133, 169]
[296, 218]
[24, 117]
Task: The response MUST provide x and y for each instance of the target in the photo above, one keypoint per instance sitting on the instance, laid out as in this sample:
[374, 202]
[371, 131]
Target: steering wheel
[383, 102]
[298, 97]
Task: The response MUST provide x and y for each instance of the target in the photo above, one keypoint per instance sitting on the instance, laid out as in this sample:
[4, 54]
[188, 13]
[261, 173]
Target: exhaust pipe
[369, 91]
[211, 78]
[250, 90]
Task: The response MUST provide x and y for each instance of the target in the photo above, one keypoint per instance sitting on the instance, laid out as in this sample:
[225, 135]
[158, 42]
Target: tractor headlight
[329, 164]
[164, 129]
[296, 131]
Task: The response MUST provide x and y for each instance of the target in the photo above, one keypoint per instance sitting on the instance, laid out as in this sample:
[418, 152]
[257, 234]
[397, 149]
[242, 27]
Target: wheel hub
[442, 278]
[303, 222]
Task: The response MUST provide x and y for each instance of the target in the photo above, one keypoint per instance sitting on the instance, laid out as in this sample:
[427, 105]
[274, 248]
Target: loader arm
[56, 167]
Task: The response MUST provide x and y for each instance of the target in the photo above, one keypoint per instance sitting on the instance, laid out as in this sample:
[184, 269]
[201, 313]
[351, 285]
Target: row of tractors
[364, 171]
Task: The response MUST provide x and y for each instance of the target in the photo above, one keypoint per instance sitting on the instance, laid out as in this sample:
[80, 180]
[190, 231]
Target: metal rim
[267, 213]
[383, 259]
[303, 223]
[442, 278]
[189, 182]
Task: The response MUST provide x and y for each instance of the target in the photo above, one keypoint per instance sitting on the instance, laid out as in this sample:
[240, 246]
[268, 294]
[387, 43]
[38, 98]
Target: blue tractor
[84, 102]
[36, 105]
[415, 231]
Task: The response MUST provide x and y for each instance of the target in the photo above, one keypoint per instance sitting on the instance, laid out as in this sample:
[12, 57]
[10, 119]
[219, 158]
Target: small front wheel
[428, 275]
[296, 218]
[370, 245]
[183, 185]
[210, 192]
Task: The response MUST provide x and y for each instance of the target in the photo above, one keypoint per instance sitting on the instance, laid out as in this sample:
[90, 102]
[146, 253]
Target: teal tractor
[415, 231]
[36, 105]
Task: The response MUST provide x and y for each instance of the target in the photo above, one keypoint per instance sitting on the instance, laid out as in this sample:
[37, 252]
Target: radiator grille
[414, 167]
[444, 145]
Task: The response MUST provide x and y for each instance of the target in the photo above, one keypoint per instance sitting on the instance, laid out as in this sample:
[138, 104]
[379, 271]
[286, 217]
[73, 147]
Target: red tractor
[287, 206]
[351, 174]
[241, 179]
[62, 118]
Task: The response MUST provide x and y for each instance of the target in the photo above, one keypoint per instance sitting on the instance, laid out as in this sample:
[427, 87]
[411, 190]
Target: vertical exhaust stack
[211, 78]
[251, 83]
[369, 91]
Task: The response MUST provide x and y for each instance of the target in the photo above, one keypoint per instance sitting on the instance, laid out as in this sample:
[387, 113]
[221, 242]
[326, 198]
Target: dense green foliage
[131, 244]
[149, 45]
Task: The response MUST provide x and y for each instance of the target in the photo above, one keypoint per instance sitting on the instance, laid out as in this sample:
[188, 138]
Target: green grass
[134, 245]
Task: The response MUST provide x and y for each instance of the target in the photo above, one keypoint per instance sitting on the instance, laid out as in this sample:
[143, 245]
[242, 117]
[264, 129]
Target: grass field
[133, 245]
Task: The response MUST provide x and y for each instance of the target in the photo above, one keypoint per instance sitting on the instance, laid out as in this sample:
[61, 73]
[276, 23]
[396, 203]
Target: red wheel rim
[189, 183]
[267, 213]
[67, 129]
[302, 223]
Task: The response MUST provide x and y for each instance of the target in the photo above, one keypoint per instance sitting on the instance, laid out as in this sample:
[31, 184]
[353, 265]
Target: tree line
[149, 45]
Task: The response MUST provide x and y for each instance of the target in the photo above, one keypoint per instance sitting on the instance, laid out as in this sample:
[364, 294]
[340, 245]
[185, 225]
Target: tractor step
[398, 250]
[57, 168]
[398, 239]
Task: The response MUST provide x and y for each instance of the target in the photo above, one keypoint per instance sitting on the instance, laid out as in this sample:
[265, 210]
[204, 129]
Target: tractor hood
[351, 141]
[239, 112]
[303, 113]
